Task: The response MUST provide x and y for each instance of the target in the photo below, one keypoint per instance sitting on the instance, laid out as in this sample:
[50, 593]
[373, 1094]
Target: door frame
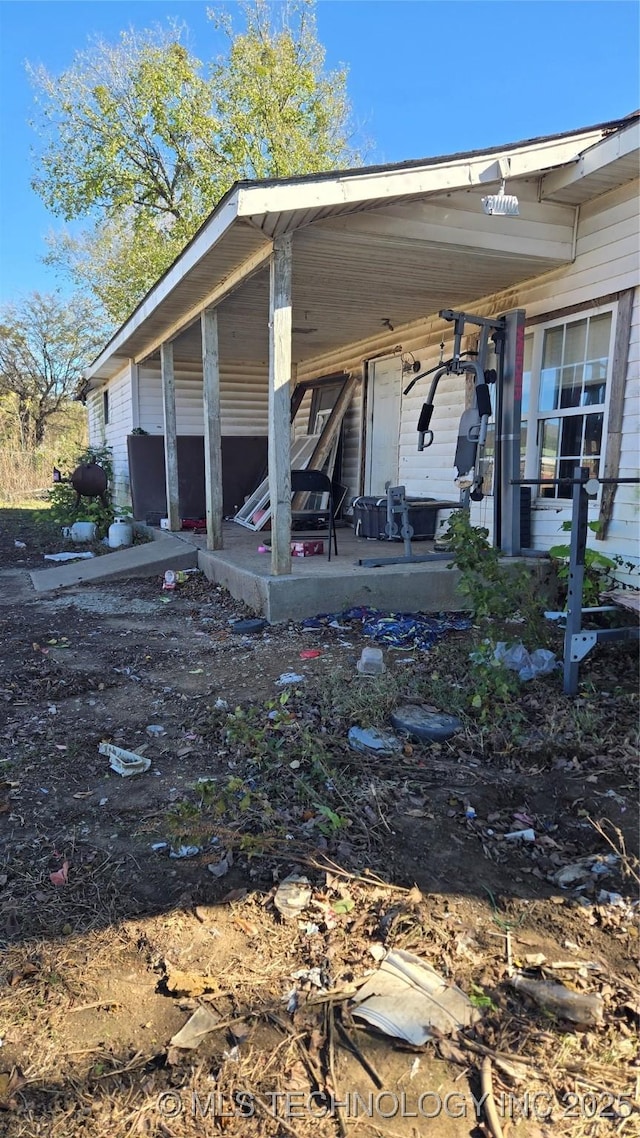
[367, 415]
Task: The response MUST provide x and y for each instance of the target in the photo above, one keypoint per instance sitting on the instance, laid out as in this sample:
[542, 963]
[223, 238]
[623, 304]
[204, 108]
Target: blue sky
[426, 78]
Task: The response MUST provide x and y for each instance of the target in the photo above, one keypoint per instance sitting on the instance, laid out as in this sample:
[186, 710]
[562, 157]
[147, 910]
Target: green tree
[45, 343]
[142, 139]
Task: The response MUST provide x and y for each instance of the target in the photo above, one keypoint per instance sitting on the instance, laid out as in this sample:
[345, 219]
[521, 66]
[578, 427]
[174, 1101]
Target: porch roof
[380, 244]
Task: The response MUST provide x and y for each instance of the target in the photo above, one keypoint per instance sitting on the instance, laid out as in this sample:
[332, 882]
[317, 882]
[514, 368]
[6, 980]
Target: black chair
[317, 481]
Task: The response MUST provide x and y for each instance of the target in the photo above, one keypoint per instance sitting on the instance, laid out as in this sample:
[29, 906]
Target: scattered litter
[307, 548]
[200, 1024]
[290, 678]
[185, 851]
[407, 998]
[607, 898]
[378, 951]
[310, 653]
[248, 627]
[312, 975]
[580, 871]
[221, 704]
[425, 723]
[397, 630]
[60, 876]
[374, 741]
[125, 763]
[155, 729]
[20, 544]
[155, 846]
[292, 895]
[232, 1056]
[75, 556]
[527, 835]
[578, 1007]
[524, 819]
[470, 813]
[527, 664]
[534, 959]
[174, 577]
[218, 869]
[371, 662]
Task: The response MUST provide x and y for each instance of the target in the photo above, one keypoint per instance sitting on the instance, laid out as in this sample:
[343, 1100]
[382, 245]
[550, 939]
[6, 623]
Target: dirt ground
[111, 942]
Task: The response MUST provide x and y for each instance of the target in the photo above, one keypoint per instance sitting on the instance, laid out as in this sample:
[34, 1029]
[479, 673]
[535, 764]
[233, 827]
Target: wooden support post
[170, 435]
[212, 429]
[279, 405]
[135, 394]
[613, 434]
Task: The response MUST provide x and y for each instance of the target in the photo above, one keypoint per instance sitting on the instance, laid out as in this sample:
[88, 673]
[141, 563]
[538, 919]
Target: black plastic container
[370, 517]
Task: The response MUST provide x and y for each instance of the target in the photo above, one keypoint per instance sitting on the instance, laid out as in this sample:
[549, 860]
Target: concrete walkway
[149, 560]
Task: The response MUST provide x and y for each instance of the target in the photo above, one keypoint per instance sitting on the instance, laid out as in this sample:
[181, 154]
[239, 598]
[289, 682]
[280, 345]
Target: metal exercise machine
[507, 335]
[579, 641]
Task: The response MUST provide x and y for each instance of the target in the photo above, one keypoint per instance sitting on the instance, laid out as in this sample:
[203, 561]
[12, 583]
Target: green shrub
[62, 496]
[598, 569]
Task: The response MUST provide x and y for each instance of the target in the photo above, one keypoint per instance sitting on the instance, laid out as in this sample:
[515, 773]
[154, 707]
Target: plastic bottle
[579, 1007]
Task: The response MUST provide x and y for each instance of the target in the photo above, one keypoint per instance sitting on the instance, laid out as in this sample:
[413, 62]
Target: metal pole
[579, 519]
[508, 418]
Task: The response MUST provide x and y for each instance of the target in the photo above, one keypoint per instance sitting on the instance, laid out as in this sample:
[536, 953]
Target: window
[105, 407]
[566, 367]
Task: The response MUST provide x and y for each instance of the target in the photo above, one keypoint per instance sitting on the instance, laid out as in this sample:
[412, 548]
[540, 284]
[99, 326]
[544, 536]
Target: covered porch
[290, 281]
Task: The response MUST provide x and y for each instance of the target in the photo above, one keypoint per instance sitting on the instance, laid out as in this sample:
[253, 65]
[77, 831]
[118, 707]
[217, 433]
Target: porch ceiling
[400, 263]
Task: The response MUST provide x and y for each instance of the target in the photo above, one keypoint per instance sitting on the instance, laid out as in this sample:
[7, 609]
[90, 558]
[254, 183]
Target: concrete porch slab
[318, 585]
[148, 560]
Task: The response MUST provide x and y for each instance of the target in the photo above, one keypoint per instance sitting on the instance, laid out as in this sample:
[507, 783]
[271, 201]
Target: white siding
[243, 397]
[116, 430]
[95, 418]
[114, 433]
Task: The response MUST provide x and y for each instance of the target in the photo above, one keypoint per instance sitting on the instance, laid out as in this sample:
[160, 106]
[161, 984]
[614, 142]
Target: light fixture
[501, 204]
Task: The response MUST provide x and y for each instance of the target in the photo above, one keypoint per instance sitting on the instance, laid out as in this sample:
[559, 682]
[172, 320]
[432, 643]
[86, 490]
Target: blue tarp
[397, 630]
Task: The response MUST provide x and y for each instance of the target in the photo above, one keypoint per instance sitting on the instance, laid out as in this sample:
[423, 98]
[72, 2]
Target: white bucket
[120, 533]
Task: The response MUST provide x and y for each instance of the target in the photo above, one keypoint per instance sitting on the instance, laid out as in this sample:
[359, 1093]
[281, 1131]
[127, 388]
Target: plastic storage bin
[370, 517]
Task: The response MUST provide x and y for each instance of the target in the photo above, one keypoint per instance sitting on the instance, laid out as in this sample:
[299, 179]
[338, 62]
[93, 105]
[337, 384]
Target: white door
[384, 396]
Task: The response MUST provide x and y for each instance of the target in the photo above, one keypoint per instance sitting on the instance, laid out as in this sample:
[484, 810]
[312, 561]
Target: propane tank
[120, 533]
